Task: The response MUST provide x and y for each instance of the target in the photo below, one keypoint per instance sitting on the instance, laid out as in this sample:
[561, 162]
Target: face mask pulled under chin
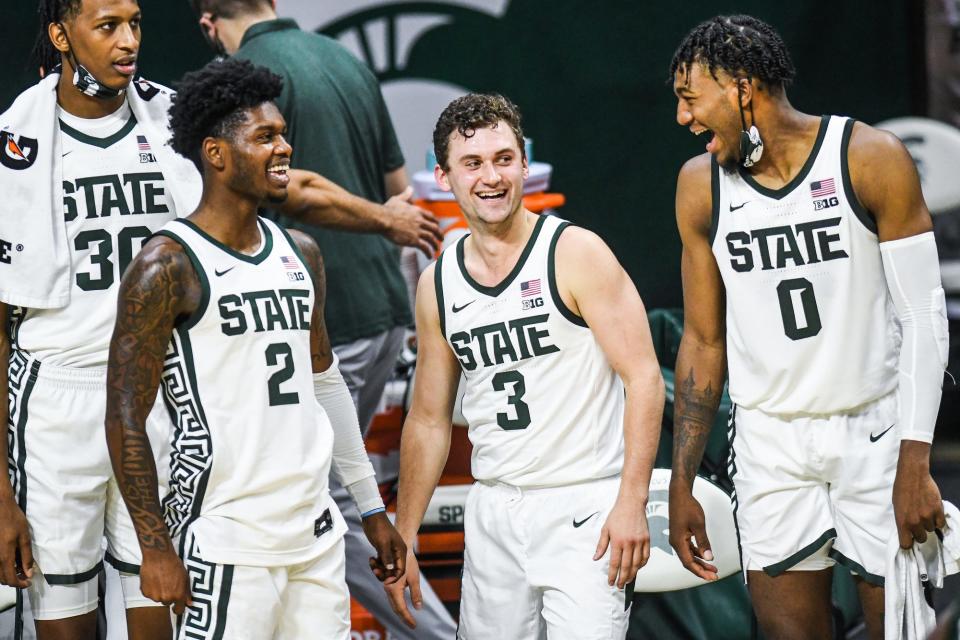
[84, 81]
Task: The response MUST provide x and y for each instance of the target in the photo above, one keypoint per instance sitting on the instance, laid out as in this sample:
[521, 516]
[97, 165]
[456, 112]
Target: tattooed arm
[159, 287]
[701, 365]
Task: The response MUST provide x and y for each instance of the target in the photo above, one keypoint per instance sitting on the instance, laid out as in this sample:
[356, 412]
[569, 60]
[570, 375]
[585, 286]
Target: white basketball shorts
[236, 602]
[528, 568]
[62, 477]
[815, 490]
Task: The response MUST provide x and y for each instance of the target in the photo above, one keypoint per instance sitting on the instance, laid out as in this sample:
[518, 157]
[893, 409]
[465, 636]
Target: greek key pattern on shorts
[192, 452]
[732, 471]
[210, 586]
[21, 376]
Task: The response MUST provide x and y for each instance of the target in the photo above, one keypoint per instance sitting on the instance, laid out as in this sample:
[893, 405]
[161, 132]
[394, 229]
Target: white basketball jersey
[811, 328]
[114, 198]
[251, 445]
[543, 406]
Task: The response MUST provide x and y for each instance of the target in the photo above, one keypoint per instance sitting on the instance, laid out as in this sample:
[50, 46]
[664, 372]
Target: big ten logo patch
[296, 276]
[532, 304]
[825, 203]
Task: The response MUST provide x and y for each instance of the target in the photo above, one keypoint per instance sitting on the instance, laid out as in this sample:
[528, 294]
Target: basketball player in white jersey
[563, 399]
[60, 500]
[114, 196]
[811, 274]
[227, 309]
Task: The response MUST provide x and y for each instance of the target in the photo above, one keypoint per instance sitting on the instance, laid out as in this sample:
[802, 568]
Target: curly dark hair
[471, 112]
[51, 11]
[212, 102]
[737, 44]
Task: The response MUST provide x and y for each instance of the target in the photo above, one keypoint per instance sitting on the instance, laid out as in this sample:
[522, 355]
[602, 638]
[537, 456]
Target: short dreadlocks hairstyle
[471, 112]
[212, 101]
[739, 45]
[51, 11]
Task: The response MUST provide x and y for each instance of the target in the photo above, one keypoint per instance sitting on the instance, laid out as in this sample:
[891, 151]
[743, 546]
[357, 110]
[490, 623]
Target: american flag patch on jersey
[823, 188]
[290, 263]
[142, 144]
[530, 288]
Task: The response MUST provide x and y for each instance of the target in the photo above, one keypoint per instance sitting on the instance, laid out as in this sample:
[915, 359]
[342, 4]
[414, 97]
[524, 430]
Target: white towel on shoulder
[34, 256]
[912, 572]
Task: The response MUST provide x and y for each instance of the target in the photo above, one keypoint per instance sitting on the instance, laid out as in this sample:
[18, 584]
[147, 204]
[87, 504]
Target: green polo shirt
[339, 127]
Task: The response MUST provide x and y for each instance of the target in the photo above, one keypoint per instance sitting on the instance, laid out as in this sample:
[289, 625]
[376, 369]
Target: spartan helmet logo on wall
[18, 152]
[658, 521]
[385, 34]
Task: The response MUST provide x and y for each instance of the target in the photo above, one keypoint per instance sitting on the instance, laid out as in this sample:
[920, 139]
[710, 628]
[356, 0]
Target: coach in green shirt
[339, 128]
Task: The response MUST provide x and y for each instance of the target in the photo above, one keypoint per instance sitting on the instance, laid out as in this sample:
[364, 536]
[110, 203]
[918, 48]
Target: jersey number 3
[794, 294]
[515, 399]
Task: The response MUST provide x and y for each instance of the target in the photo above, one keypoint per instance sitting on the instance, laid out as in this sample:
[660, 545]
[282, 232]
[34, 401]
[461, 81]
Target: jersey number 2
[515, 399]
[273, 353]
[793, 291]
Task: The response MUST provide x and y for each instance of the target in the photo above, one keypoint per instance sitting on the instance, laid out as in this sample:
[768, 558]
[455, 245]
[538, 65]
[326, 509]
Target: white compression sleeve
[912, 270]
[350, 461]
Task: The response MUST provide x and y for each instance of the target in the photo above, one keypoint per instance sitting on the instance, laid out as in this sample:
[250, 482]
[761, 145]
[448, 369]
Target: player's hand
[163, 578]
[688, 534]
[16, 553]
[917, 505]
[391, 558]
[411, 226]
[396, 592]
[626, 533]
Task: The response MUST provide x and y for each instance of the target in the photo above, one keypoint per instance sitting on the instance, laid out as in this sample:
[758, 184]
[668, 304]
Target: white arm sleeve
[912, 270]
[350, 461]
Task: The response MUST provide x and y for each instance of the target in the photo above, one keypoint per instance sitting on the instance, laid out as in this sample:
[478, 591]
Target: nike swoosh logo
[576, 524]
[66, 153]
[739, 206]
[457, 309]
[874, 438]
[224, 272]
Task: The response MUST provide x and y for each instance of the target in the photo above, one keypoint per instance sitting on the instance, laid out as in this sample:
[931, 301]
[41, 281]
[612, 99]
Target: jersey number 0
[793, 293]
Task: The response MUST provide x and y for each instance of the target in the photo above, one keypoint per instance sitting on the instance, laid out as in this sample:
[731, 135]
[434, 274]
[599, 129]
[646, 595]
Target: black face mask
[85, 82]
[751, 144]
[214, 43]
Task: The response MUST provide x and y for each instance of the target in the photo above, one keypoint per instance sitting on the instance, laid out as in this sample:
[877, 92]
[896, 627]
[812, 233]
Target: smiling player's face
[485, 172]
[259, 156]
[707, 106]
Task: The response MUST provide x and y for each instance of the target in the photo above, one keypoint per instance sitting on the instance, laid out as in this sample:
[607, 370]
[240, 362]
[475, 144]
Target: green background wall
[590, 78]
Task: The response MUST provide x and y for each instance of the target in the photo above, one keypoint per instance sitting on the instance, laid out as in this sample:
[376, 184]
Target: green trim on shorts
[776, 569]
[223, 601]
[628, 594]
[74, 578]
[857, 568]
[120, 565]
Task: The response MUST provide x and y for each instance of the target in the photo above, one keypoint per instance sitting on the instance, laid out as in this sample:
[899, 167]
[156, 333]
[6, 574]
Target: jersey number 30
[515, 400]
[794, 294]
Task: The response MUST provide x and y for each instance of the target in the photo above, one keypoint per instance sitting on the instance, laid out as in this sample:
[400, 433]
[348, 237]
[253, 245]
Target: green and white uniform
[252, 447]
[812, 348]
[545, 415]
[114, 198]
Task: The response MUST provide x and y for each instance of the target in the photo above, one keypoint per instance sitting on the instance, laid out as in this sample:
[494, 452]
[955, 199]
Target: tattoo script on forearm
[694, 414]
